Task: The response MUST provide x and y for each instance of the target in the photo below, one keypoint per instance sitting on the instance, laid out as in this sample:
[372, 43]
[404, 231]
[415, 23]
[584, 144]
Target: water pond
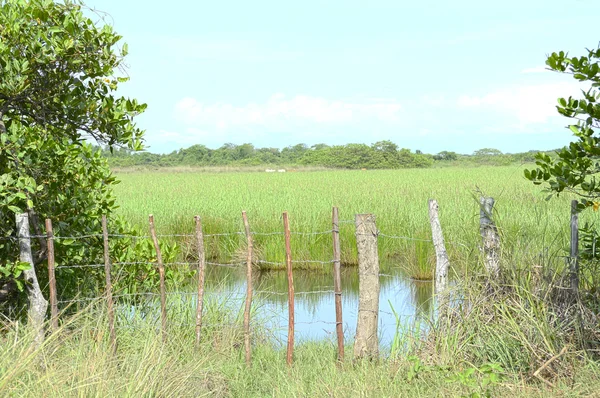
[403, 302]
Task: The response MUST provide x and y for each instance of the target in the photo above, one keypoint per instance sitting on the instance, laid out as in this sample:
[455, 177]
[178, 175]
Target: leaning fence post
[248, 306]
[337, 283]
[109, 298]
[574, 252]
[491, 239]
[161, 273]
[201, 266]
[442, 263]
[51, 276]
[288, 261]
[37, 304]
[366, 342]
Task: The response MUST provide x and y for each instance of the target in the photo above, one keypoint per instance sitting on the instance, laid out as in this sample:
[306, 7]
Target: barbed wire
[79, 266]
[379, 233]
[266, 292]
[176, 263]
[403, 237]
[311, 233]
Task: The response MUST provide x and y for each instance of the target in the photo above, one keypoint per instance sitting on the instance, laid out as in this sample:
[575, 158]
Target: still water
[314, 301]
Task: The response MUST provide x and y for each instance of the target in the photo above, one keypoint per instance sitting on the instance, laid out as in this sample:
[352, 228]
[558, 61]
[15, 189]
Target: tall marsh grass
[529, 224]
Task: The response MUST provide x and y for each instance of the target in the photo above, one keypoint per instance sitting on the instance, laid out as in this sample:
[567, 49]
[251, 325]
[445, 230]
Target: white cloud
[529, 104]
[282, 113]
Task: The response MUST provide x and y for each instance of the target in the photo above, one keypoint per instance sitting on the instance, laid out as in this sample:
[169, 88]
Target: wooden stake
[442, 262]
[337, 284]
[574, 252]
[248, 306]
[51, 276]
[161, 273]
[201, 271]
[109, 298]
[366, 343]
[491, 239]
[288, 261]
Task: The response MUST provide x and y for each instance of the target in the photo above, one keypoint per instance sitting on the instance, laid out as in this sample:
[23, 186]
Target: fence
[367, 234]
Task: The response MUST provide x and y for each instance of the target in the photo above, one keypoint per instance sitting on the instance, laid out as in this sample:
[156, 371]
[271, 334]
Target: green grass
[492, 343]
[529, 225]
[77, 361]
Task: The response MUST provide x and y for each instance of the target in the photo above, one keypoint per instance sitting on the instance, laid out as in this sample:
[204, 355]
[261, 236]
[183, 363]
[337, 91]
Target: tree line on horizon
[380, 155]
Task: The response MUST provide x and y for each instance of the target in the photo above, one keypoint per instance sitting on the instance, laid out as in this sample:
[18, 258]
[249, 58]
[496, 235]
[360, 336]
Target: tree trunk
[366, 344]
[442, 263]
[490, 237]
[37, 303]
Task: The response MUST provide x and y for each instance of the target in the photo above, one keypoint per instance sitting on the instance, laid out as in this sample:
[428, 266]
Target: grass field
[493, 344]
[530, 226]
[77, 361]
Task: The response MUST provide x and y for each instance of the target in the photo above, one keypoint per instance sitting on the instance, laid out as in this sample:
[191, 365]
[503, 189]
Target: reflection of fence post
[491, 239]
[288, 261]
[337, 283]
[109, 298]
[574, 253]
[248, 306]
[161, 273]
[51, 276]
[366, 342]
[442, 263]
[37, 303]
[201, 270]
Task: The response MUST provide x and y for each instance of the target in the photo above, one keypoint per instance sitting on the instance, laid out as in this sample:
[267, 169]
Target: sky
[429, 75]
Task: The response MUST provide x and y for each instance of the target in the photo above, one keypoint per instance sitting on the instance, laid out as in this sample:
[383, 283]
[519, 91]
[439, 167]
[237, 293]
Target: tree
[487, 152]
[58, 73]
[446, 155]
[575, 167]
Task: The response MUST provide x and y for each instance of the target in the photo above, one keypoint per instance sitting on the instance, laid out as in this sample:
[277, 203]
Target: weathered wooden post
[37, 303]
[248, 306]
[201, 271]
[366, 343]
[109, 298]
[51, 276]
[442, 263]
[288, 261]
[574, 252]
[161, 274]
[490, 237]
[337, 283]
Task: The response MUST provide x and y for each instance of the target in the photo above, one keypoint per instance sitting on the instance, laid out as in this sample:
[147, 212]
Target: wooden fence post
[201, 270]
[366, 343]
[491, 239]
[37, 303]
[337, 283]
[51, 276]
[442, 263]
[161, 273]
[574, 252]
[248, 306]
[109, 297]
[288, 261]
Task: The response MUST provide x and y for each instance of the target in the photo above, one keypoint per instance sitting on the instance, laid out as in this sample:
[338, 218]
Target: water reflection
[314, 300]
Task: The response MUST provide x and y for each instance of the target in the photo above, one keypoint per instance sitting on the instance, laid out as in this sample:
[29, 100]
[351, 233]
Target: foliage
[58, 75]
[575, 168]
[490, 375]
[380, 155]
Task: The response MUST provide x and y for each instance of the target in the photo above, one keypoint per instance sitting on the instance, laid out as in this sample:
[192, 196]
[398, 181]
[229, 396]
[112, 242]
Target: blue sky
[431, 75]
